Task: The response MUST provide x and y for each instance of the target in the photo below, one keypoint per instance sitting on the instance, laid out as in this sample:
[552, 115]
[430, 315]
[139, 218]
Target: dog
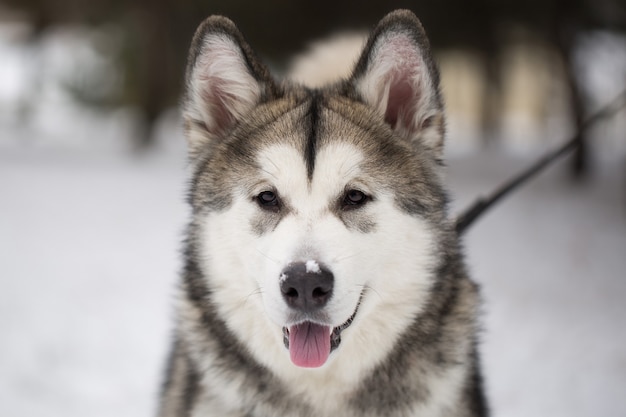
[322, 276]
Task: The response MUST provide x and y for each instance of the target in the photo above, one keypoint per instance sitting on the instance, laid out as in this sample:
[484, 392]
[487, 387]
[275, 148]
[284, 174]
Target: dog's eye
[354, 199]
[268, 200]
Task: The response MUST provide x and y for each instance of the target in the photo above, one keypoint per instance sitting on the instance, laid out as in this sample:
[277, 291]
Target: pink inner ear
[403, 80]
[216, 98]
[222, 86]
[401, 101]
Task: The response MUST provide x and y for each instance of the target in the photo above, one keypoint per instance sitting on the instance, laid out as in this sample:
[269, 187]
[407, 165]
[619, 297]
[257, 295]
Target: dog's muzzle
[306, 288]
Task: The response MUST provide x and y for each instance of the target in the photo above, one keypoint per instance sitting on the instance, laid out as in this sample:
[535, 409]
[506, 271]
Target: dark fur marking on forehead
[311, 145]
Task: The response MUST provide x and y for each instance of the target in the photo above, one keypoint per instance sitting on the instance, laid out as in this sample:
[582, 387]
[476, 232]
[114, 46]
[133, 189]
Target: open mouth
[310, 343]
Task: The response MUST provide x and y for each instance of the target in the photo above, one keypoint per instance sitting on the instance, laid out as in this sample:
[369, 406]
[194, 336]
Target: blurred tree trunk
[564, 37]
[155, 70]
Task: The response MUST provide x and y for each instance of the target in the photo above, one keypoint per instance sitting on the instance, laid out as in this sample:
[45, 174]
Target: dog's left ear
[396, 75]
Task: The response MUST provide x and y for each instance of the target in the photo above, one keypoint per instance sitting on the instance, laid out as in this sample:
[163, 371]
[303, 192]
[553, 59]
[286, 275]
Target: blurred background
[93, 178]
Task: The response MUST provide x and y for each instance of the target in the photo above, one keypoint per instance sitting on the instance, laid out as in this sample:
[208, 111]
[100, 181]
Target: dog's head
[318, 209]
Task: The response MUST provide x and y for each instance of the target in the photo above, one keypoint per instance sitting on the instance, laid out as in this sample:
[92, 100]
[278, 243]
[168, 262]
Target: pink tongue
[309, 344]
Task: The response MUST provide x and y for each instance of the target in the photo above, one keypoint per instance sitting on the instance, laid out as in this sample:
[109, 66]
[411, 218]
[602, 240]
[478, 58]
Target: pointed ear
[224, 82]
[396, 75]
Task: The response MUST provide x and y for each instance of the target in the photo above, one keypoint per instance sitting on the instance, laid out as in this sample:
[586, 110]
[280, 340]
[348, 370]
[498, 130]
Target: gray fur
[208, 361]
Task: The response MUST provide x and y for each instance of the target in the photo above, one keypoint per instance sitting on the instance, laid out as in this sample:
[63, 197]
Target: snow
[551, 261]
[312, 267]
[89, 253]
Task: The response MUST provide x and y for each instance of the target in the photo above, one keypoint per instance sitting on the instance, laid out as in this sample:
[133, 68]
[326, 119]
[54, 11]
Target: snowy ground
[89, 257]
[552, 263]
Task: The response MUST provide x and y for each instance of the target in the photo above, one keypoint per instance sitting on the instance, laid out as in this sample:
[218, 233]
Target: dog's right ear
[224, 82]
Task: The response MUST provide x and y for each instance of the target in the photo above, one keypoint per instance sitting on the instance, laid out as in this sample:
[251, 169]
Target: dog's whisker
[257, 291]
[345, 257]
[268, 172]
[365, 287]
[274, 165]
[266, 256]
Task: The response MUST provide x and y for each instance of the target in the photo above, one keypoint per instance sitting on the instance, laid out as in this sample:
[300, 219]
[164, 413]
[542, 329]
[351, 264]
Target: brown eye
[268, 200]
[354, 199]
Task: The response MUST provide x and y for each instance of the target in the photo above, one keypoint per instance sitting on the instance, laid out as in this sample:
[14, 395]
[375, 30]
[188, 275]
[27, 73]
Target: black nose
[306, 286]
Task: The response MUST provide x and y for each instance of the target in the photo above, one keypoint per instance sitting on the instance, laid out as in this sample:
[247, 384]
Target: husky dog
[323, 276]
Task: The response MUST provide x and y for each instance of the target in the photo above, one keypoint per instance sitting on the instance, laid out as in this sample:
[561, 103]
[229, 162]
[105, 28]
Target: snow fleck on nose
[312, 267]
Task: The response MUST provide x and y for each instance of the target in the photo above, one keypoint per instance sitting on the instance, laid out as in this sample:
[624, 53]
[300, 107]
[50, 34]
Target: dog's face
[317, 208]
